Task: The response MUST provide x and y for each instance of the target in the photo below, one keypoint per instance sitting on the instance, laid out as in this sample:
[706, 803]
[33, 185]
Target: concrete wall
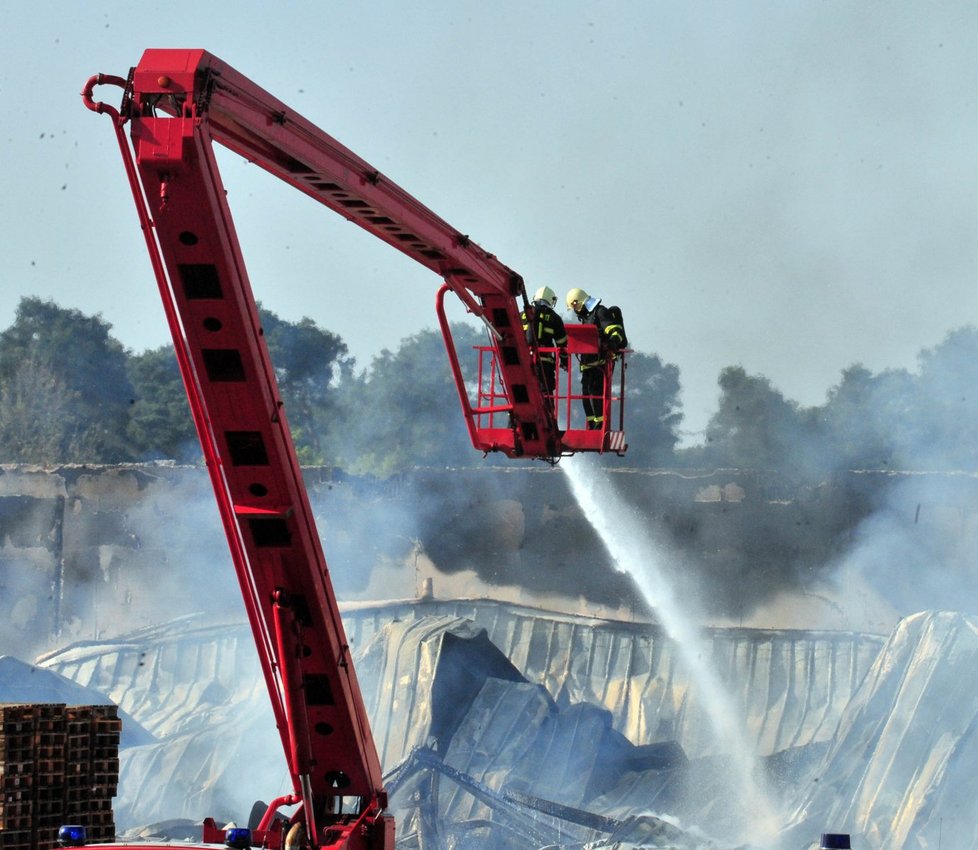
[87, 552]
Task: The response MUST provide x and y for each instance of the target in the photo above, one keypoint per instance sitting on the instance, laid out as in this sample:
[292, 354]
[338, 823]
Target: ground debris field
[522, 691]
[495, 733]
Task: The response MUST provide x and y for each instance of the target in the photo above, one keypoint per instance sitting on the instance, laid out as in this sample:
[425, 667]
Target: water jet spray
[629, 541]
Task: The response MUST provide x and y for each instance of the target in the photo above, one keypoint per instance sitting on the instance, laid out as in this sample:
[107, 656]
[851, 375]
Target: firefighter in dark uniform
[611, 338]
[548, 328]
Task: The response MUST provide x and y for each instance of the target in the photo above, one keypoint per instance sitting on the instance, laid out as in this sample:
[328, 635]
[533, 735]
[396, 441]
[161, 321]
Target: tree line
[72, 393]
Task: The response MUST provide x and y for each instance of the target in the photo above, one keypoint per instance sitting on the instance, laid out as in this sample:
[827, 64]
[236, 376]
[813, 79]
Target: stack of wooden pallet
[58, 765]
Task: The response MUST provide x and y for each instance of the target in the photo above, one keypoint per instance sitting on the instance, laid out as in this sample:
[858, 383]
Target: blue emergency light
[238, 837]
[71, 835]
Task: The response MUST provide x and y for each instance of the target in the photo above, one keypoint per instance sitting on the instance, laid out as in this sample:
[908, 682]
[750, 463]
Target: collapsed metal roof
[593, 718]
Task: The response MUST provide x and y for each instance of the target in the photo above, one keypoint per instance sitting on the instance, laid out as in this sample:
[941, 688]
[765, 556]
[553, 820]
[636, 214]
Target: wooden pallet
[58, 764]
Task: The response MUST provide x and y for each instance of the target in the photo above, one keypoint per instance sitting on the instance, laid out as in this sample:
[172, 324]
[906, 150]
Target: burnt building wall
[87, 552]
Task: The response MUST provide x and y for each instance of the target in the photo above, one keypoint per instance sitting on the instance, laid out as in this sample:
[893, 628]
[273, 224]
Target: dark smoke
[876, 485]
[516, 528]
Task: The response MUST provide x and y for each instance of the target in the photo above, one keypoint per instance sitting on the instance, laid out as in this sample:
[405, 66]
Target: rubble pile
[502, 727]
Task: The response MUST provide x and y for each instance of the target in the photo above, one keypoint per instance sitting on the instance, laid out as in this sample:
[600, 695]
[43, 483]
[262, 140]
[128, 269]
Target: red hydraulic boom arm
[177, 103]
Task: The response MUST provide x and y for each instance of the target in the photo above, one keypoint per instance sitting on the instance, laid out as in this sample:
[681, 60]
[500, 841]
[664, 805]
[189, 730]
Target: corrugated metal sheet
[792, 686]
[514, 738]
[414, 670]
[898, 717]
[901, 770]
[172, 678]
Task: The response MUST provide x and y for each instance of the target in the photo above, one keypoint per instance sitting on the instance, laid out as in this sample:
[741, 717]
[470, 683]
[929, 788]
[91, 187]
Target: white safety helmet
[576, 299]
[545, 293]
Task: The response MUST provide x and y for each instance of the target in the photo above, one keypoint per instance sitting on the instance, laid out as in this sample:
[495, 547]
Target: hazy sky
[788, 186]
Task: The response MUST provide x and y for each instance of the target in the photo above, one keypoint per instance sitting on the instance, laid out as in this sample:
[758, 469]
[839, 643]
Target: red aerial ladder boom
[177, 103]
[211, 102]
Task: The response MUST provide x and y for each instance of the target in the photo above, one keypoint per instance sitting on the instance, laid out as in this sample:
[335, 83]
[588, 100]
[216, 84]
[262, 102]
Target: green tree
[63, 388]
[946, 404]
[160, 425]
[900, 420]
[652, 410]
[866, 418]
[404, 411]
[35, 406]
[310, 365]
[756, 427]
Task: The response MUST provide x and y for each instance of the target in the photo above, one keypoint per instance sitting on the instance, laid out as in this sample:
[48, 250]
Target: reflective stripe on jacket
[548, 328]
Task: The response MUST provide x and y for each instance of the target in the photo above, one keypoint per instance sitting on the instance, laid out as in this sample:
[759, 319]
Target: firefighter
[548, 330]
[611, 339]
